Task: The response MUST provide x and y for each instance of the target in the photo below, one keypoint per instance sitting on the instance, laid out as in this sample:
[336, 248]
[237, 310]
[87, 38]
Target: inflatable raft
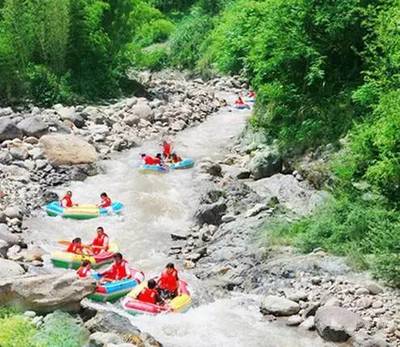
[153, 169]
[184, 164]
[112, 291]
[242, 107]
[252, 100]
[69, 260]
[54, 209]
[178, 304]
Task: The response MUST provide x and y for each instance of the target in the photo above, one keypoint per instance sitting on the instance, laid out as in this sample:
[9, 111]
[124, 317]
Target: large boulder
[279, 306]
[8, 269]
[111, 322]
[45, 293]
[211, 213]
[336, 323]
[8, 129]
[67, 150]
[33, 126]
[142, 110]
[265, 164]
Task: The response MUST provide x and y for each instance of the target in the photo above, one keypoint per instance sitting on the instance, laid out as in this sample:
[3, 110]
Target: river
[156, 206]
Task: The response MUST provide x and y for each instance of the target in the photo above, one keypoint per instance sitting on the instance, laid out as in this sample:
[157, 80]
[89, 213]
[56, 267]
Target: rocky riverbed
[228, 249]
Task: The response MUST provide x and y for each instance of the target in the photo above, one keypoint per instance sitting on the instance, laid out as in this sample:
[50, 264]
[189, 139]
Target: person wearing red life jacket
[239, 101]
[149, 160]
[66, 201]
[175, 158]
[166, 149]
[251, 94]
[168, 282]
[118, 271]
[105, 201]
[100, 243]
[84, 270]
[150, 294]
[75, 246]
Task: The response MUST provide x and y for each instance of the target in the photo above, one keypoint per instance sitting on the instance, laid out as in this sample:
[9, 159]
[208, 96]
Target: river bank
[227, 249]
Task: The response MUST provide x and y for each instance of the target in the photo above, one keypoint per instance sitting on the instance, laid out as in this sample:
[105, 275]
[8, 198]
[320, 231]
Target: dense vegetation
[323, 70]
[58, 330]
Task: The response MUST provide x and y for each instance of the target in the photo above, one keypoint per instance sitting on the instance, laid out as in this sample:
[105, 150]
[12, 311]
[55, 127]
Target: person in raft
[105, 201]
[149, 160]
[84, 270]
[251, 94]
[100, 243]
[175, 158]
[168, 282]
[66, 201]
[239, 101]
[150, 294]
[166, 146]
[118, 271]
[75, 246]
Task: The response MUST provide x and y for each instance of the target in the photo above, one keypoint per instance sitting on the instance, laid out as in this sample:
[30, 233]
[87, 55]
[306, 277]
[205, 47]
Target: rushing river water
[156, 206]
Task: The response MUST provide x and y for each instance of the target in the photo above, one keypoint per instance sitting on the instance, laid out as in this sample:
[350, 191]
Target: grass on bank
[364, 230]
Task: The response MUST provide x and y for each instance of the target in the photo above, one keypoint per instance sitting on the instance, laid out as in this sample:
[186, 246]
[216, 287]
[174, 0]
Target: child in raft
[66, 201]
[168, 282]
[118, 271]
[75, 246]
[84, 270]
[150, 294]
[100, 242]
[105, 201]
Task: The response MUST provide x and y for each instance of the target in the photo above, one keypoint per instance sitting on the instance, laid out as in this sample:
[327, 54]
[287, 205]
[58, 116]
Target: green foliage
[16, 331]
[361, 229]
[187, 40]
[61, 330]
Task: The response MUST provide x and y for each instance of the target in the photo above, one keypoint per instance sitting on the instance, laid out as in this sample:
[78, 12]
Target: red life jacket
[75, 248]
[105, 202]
[99, 241]
[176, 159]
[66, 201]
[149, 160]
[169, 281]
[118, 271]
[83, 271]
[148, 295]
[252, 95]
[239, 101]
[166, 150]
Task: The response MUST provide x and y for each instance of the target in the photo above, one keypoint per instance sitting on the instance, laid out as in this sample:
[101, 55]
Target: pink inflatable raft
[181, 303]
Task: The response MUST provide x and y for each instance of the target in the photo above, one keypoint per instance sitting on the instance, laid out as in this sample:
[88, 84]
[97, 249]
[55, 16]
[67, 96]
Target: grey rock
[211, 213]
[111, 322]
[363, 340]
[254, 211]
[9, 269]
[100, 339]
[279, 306]
[362, 291]
[142, 110]
[374, 288]
[19, 152]
[33, 126]
[5, 157]
[308, 324]
[8, 129]
[294, 321]
[311, 309]
[265, 164]
[297, 295]
[337, 324]
[227, 218]
[13, 212]
[46, 293]
[214, 170]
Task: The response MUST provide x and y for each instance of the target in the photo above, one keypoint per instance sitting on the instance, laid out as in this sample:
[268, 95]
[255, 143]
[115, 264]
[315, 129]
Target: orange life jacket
[75, 248]
[169, 281]
[148, 295]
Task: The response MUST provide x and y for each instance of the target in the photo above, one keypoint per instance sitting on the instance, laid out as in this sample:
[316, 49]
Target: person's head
[85, 263]
[77, 240]
[69, 193]
[170, 267]
[117, 257]
[151, 284]
[143, 155]
[158, 156]
[165, 142]
[100, 230]
[103, 195]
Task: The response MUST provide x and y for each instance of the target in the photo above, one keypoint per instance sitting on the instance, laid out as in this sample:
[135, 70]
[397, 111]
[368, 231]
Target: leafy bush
[61, 330]
[16, 331]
